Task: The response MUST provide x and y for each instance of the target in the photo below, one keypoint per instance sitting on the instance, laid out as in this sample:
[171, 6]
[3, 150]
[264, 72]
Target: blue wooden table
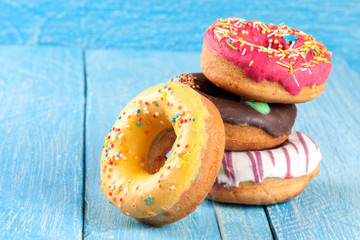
[67, 68]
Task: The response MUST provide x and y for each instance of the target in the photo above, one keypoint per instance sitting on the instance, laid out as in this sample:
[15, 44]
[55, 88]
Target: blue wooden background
[67, 68]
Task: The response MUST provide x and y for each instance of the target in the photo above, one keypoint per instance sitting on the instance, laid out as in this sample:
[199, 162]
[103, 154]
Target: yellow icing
[125, 179]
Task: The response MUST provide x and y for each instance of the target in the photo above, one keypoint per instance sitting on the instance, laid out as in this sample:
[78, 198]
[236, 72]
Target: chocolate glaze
[234, 109]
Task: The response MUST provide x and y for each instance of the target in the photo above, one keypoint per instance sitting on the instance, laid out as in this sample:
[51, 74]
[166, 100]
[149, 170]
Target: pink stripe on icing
[305, 148]
[259, 164]
[288, 164]
[313, 142]
[271, 157]
[253, 166]
[292, 144]
[224, 163]
[230, 164]
[218, 186]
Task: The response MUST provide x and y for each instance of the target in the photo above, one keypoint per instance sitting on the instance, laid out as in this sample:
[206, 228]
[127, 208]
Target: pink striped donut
[265, 172]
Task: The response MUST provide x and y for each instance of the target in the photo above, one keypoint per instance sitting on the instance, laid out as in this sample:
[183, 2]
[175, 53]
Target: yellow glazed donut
[182, 183]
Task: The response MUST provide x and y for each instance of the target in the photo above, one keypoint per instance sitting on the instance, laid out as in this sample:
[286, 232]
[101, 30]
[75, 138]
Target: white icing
[239, 167]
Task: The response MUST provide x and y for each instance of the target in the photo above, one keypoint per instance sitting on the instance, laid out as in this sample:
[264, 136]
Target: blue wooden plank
[41, 129]
[114, 78]
[170, 25]
[242, 222]
[329, 208]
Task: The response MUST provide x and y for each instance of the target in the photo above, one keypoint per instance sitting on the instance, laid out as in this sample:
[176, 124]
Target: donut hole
[160, 149]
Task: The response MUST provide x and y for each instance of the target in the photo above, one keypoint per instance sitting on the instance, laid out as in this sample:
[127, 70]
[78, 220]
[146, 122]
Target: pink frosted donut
[265, 62]
[267, 176]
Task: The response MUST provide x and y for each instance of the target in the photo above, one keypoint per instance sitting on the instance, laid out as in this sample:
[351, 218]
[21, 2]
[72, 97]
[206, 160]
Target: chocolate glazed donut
[249, 125]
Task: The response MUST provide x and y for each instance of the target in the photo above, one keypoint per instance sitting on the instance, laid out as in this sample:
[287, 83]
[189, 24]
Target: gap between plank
[84, 143]
[218, 215]
[270, 223]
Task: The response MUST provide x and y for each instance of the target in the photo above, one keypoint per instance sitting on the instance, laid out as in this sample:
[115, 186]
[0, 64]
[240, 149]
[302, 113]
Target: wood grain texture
[242, 222]
[41, 129]
[329, 208]
[115, 77]
[170, 25]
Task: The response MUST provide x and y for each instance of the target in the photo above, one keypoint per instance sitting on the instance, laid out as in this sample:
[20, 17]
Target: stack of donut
[254, 73]
[228, 128]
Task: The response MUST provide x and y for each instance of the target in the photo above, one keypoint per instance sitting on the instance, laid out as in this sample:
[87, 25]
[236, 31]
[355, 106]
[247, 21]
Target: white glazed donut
[265, 173]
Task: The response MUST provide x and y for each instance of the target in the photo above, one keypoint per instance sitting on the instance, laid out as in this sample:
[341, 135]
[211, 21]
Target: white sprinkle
[271, 34]
[221, 29]
[243, 52]
[269, 45]
[238, 23]
[162, 122]
[292, 44]
[217, 35]
[296, 80]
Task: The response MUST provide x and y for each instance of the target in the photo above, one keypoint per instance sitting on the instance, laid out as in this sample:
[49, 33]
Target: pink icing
[253, 165]
[259, 163]
[301, 60]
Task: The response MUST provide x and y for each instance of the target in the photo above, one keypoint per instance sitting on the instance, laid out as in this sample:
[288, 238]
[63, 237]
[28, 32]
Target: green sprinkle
[327, 61]
[316, 49]
[228, 43]
[307, 50]
[282, 23]
[270, 56]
